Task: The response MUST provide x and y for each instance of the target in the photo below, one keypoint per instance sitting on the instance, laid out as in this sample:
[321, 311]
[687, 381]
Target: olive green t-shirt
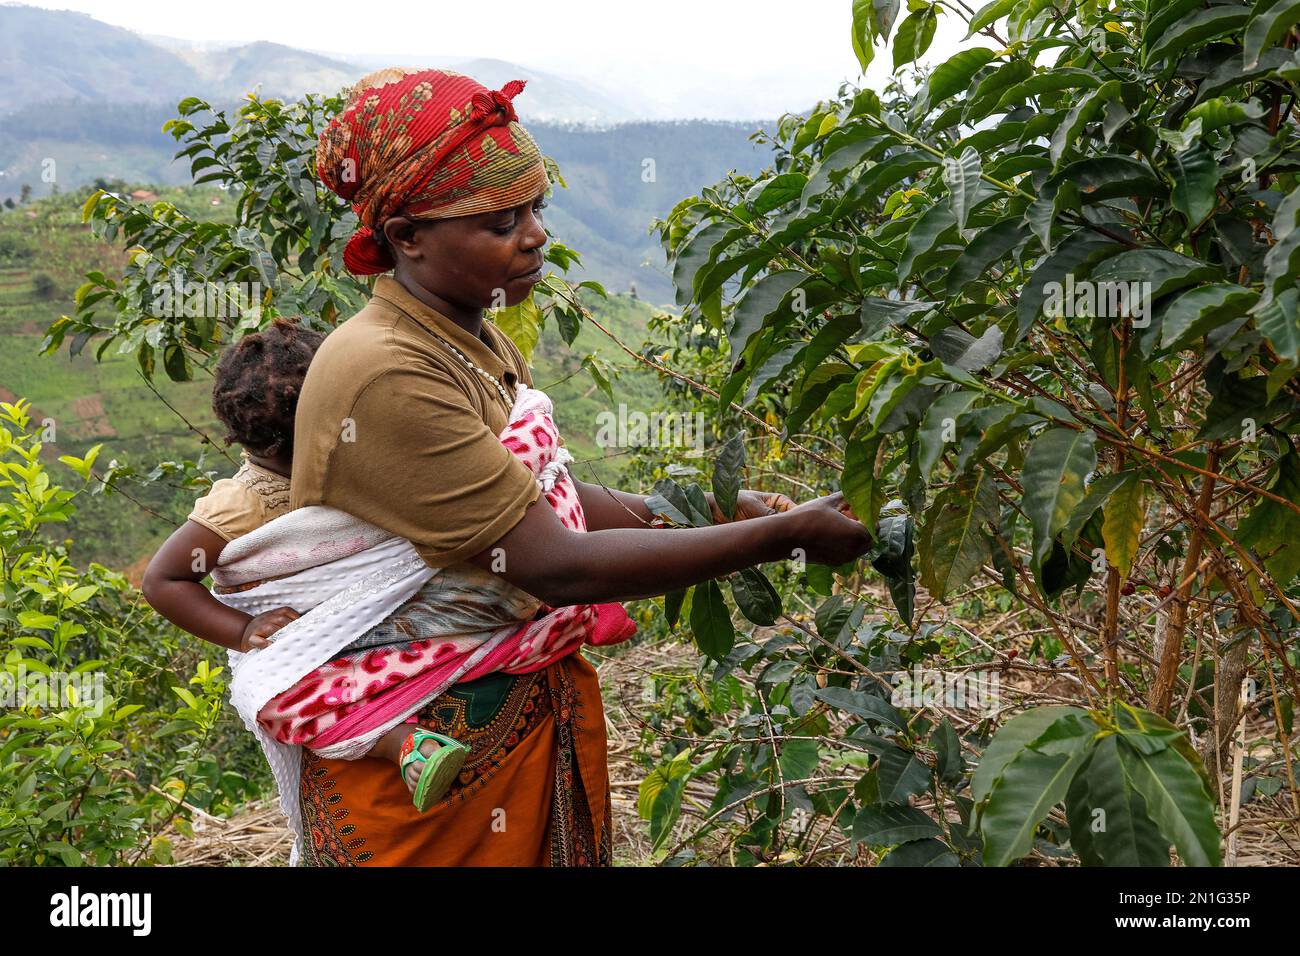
[394, 428]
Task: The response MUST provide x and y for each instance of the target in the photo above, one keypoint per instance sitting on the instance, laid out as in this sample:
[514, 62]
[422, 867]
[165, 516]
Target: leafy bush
[43, 286]
[102, 747]
[935, 286]
[14, 248]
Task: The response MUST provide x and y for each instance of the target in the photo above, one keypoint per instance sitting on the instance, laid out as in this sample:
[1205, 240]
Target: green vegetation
[1085, 508]
[925, 313]
[113, 721]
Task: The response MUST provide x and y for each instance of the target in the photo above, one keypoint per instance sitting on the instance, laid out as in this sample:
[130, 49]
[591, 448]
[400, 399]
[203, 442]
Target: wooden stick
[1238, 759]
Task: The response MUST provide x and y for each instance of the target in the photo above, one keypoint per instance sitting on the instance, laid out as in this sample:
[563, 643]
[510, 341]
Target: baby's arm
[172, 585]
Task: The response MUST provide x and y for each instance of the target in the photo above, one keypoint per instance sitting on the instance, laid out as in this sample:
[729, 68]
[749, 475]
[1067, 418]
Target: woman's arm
[172, 586]
[562, 567]
[607, 508]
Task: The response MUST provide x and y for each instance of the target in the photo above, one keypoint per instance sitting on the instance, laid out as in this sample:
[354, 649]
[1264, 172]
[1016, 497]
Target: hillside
[44, 252]
[605, 212]
[56, 54]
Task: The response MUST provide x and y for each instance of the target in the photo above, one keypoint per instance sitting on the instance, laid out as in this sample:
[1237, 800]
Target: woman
[398, 424]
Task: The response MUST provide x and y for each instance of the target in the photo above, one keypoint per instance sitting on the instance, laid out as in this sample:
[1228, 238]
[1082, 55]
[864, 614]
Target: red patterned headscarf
[429, 144]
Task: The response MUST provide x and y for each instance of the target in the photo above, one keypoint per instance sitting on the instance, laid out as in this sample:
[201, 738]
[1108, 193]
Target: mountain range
[54, 55]
[81, 100]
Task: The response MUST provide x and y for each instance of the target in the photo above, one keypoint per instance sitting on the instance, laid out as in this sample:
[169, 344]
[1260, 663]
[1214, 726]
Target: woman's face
[485, 261]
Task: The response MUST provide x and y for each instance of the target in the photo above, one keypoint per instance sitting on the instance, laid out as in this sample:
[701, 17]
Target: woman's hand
[752, 504]
[827, 530]
[261, 627]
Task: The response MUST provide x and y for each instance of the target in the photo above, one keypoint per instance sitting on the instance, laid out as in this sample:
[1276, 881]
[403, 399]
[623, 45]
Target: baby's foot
[411, 775]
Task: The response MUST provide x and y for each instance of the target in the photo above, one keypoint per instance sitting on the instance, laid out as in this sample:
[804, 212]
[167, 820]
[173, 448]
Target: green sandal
[440, 769]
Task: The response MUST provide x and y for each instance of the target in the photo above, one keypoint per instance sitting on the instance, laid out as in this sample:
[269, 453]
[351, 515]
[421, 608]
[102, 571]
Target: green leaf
[888, 824]
[862, 704]
[755, 597]
[711, 621]
[931, 228]
[899, 773]
[940, 419]
[1166, 271]
[673, 606]
[962, 177]
[949, 762]
[1218, 112]
[1098, 492]
[1052, 81]
[954, 74]
[1267, 28]
[695, 253]
[760, 302]
[959, 543]
[991, 245]
[1196, 28]
[1124, 516]
[920, 853]
[773, 193]
[1073, 256]
[522, 323]
[728, 469]
[1110, 177]
[1195, 182]
[1202, 310]
[1086, 111]
[1031, 783]
[990, 13]
[1279, 322]
[37, 621]
[857, 482]
[961, 350]
[1056, 464]
[1177, 802]
[1013, 736]
[914, 36]
[1109, 824]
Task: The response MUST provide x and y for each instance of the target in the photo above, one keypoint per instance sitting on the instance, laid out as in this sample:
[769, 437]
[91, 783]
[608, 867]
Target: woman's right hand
[261, 627]
[827, 531]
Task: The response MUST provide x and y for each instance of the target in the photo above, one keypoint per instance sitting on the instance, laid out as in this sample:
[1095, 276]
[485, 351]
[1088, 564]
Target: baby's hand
[264, 625]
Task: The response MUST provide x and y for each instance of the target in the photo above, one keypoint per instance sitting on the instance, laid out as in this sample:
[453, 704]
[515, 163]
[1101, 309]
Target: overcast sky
[767, 55]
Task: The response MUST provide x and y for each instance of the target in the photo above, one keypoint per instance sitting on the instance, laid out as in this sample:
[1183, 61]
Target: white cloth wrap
[339, 602]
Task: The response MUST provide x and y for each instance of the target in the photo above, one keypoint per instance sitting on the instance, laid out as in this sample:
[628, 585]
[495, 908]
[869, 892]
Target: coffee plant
[1038, 313]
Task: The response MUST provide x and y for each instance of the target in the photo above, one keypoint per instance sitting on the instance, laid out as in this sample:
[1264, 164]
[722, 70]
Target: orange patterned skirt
[534, 790]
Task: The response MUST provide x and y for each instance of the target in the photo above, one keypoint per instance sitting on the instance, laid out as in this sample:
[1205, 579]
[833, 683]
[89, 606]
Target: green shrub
[103, 741]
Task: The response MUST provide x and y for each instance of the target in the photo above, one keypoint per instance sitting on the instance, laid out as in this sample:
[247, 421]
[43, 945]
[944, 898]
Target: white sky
[768, 53]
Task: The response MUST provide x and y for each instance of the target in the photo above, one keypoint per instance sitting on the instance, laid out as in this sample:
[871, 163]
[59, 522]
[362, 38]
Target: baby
[255, 396]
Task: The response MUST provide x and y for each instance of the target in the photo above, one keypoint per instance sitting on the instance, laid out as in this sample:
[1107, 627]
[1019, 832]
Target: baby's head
[258, 381]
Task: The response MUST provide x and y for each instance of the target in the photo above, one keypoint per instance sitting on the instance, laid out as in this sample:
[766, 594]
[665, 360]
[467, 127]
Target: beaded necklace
[505, 395]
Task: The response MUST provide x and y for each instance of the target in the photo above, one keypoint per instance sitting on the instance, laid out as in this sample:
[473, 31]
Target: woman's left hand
[753, 504]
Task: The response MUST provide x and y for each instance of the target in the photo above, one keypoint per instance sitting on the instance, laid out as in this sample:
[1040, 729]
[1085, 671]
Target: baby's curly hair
[258, 381]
